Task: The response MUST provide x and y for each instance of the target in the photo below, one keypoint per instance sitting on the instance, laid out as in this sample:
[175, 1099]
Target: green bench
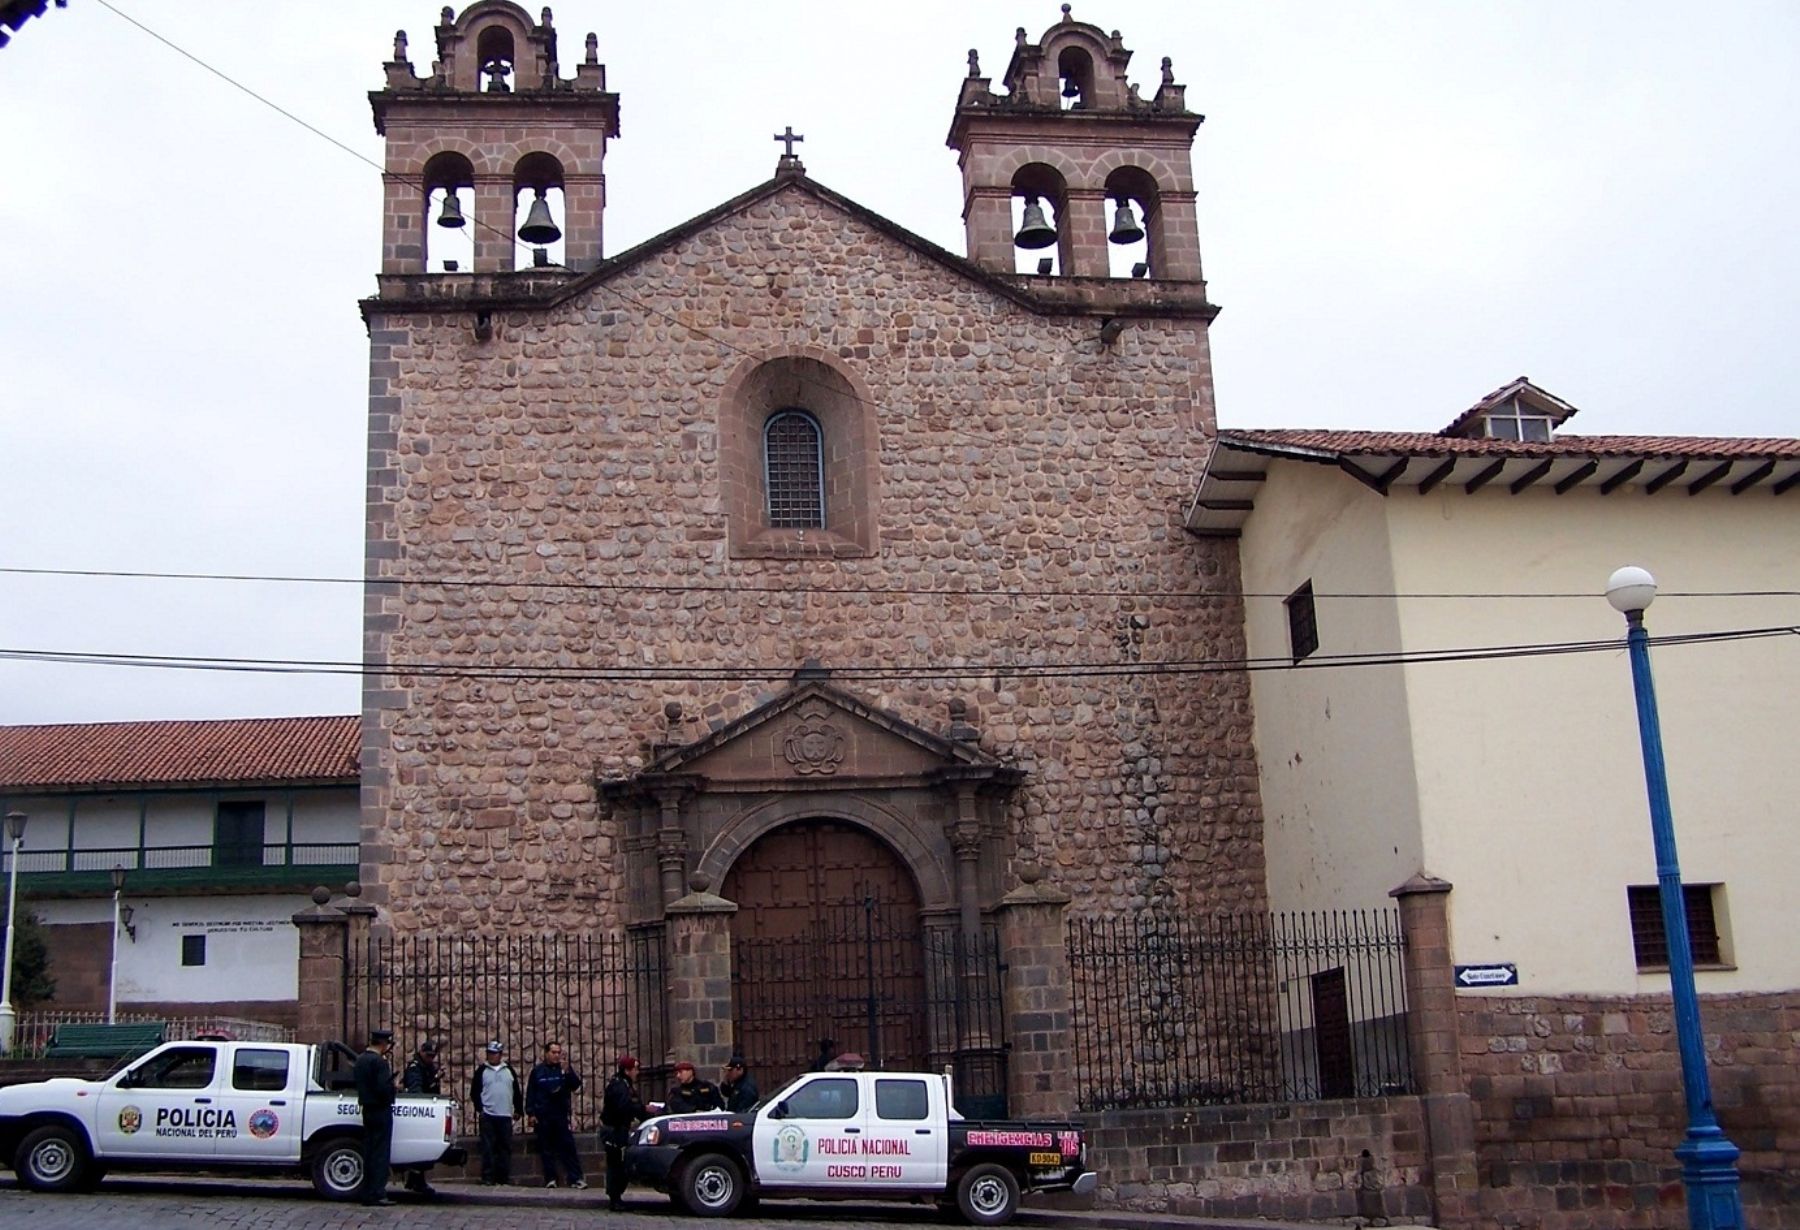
[105, 1041]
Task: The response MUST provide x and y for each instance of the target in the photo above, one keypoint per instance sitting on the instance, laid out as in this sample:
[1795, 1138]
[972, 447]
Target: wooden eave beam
[1666, 477]
[1437, 476]
[1237, 476]
[1228, 505]
[1709, 478]
[1787, 484]
[1622, 477]
[1361, 475]
[1531, 476]
[1569, 482]
[1485, 477]
[1391, 473]
[1754, 477]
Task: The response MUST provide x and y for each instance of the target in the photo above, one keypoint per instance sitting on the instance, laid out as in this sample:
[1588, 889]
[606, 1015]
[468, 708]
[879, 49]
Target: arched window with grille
[794, 471]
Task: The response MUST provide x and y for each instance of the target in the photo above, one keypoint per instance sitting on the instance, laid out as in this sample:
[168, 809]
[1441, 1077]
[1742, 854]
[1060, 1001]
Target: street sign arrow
[1499, 974]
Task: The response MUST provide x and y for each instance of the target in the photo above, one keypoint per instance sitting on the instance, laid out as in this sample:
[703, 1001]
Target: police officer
[422, 1075]
[619, 1109]
[689, 1093]
[738, 1089]
[374, 1077]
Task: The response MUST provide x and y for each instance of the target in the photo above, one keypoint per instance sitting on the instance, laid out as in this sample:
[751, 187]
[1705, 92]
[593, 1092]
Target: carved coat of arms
[814, 745]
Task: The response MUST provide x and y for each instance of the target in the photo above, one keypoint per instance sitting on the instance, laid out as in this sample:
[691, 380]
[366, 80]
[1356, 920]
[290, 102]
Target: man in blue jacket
[547, 1092]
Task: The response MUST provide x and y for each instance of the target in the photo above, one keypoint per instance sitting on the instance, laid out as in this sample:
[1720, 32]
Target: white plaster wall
[46, 826]
[109, 823]
[180, 820]
[1530, 779]
[252, 946]
[1338, 782]
[330, 815]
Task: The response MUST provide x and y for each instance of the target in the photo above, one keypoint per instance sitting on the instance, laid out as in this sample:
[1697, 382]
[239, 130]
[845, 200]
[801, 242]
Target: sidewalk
[1030, 1214]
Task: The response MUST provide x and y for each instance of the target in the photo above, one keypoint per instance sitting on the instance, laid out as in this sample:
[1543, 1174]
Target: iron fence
[1181, 1010]
[599, 996]
[35, 1028]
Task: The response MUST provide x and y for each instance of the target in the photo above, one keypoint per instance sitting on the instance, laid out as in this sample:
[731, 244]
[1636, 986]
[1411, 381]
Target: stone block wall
[1276, 1160]
[1029, 501]
[1578, 1107]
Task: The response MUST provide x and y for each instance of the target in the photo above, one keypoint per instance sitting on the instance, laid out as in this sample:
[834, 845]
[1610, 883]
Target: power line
[924, 672]
[749, 587]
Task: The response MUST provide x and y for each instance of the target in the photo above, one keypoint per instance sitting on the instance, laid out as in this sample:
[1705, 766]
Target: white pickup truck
[858, 1136]
[247, 1107]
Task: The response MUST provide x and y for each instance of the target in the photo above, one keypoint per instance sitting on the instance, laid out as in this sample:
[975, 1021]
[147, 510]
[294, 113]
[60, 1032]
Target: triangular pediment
[817, 735]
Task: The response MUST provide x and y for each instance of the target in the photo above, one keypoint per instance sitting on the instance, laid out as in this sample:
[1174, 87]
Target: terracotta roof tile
[130, 754]
[1431, 444]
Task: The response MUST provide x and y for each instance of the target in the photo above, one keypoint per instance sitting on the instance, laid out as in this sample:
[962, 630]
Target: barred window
[1303, 622]
[793, 471]
[1650, 938]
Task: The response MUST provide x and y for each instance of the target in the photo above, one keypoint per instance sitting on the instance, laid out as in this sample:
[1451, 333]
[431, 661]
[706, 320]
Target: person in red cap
[620, 1110]
[689, 1093]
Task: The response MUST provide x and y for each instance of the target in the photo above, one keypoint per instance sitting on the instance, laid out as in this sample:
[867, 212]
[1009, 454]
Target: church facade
[787, 554]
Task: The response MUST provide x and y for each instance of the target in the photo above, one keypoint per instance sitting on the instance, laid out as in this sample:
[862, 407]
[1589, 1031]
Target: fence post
[699, 977]
[1036, 988]
[1436, 1052]
[324, 943]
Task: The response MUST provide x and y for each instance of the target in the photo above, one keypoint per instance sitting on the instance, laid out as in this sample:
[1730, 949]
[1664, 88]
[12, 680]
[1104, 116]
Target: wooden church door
[826, 945]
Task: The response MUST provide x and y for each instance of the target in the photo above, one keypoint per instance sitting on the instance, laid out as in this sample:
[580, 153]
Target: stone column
[1432, 1033]
[699, 977]
[323, 946]
[965, 840]
[1039, 1009]
[671, 846]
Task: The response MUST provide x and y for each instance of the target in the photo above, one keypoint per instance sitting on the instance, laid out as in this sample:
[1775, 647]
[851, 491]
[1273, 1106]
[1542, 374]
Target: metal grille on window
[793, 471]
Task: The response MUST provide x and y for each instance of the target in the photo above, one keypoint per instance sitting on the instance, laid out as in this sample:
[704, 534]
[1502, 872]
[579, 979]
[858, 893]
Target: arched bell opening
[1039, 213]
[1133, 224]
[495, 55]
[538, 211]
[449, 219]
[1075, 73]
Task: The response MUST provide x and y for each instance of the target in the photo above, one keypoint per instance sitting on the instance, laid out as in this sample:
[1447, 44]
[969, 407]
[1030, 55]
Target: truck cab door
[263, 1090]
[817, 1140]
[165, 1105]
[908, 1135]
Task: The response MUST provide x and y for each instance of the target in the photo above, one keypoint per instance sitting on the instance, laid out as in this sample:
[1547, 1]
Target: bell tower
[498, 142]
[1070, 160]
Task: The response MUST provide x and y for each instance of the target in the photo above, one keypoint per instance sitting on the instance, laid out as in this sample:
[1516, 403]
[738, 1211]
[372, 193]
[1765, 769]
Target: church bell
[1125, 224]
[539, 228]
[1035, 232]
[451, 215]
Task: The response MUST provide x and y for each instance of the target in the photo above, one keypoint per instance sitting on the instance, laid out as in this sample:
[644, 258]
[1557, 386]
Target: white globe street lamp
[15, 833]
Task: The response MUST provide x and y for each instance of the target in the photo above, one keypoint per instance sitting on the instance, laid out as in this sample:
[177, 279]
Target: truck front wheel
[52, 1159]
[711, 1186]
[337, 1169]
[988, 1195]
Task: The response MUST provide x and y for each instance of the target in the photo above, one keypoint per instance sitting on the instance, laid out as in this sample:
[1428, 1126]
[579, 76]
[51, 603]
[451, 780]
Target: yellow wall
[1520, 780]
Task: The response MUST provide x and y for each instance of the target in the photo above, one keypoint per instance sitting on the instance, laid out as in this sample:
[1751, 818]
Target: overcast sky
[1402, 206]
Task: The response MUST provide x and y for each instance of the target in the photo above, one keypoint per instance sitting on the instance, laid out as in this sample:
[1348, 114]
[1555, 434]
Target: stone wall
[578, 451]
[1305, 1160]
[1578, 1107]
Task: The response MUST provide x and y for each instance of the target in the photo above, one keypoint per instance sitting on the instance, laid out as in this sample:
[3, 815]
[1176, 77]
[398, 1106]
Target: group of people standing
[542, 1099]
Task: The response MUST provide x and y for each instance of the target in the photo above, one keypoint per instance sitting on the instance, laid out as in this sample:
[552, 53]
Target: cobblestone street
[156, 1203]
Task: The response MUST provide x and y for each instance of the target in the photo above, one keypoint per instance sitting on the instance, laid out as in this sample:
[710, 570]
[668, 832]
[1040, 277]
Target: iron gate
[904, 999]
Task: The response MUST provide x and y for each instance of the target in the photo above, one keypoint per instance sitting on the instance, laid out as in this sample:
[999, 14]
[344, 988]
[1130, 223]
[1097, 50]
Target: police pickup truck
[857, 1136]
[249, 1107]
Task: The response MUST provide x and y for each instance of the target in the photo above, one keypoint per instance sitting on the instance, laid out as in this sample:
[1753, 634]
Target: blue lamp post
[1708, 1160]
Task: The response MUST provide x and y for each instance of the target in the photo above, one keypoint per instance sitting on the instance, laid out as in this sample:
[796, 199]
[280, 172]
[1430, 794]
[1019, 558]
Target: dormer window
[1513, 421]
